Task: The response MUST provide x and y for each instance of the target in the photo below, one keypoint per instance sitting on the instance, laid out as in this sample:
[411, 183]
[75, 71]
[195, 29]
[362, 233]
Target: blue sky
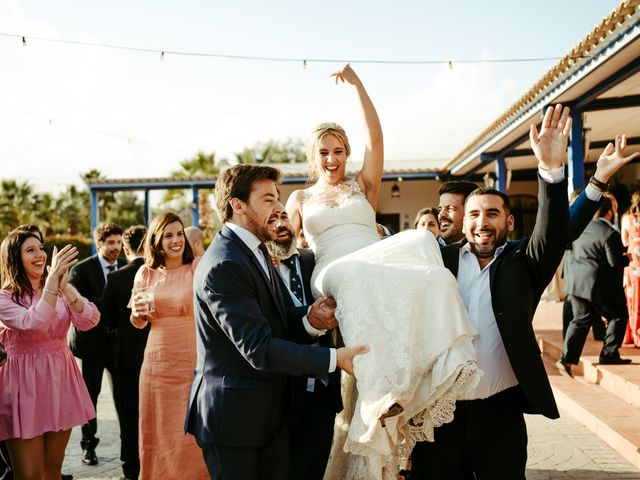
[182, 104]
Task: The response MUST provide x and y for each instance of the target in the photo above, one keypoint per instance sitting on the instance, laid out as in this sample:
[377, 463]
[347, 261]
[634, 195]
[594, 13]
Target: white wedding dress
[395, 296]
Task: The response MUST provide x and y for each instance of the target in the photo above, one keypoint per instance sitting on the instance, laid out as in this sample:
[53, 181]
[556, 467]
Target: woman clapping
[42, 394]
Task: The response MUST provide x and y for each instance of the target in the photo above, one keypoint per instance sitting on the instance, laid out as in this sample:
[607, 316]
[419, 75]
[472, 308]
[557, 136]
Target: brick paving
[558, 449]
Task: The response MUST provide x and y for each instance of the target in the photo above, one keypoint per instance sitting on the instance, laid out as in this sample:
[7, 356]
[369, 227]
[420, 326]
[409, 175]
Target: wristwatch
[603, 187]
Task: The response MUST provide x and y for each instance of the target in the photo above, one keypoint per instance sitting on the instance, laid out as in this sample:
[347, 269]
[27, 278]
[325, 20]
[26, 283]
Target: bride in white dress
[394, 296]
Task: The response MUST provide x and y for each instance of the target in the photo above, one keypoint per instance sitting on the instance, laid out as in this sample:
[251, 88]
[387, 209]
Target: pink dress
[632, 282]
[41, 387]
[165, 379]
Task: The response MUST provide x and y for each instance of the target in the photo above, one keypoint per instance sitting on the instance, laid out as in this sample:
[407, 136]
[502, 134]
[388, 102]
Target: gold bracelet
[50, 292]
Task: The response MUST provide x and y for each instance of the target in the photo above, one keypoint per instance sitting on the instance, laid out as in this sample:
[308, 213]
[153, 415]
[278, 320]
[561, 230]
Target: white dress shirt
[474, 287]
[253, 242]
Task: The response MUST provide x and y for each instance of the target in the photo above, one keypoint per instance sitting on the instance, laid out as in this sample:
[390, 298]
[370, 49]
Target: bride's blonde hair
[327, 128]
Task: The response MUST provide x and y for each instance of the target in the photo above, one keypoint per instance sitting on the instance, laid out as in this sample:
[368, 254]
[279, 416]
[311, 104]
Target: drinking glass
[145, 295]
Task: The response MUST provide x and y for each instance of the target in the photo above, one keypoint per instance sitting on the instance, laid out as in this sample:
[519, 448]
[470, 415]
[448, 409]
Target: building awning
[599, 79]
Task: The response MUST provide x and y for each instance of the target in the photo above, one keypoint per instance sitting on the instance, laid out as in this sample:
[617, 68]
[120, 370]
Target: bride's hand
[346, 75]
[344, 357]
[321, 315]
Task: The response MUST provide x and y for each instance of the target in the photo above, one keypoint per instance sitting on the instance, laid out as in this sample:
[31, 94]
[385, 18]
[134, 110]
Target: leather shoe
[614, 361]
[66, 477]
[564, 368]
[89, 457]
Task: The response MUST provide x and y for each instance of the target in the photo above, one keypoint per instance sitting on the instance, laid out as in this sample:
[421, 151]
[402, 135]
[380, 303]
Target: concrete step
[612, 419]
[623, 381]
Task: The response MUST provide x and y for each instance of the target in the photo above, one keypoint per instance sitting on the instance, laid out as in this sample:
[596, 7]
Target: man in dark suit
[95, 347]
[594, 277]
[245, 337]
[129, 347]
[501, 283]
[315, 402]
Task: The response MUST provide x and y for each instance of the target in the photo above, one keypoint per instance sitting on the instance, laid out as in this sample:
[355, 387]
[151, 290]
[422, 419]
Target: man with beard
[246, 337]
[95, 347]
[315, 402]
[451, 210]
[501, 283]
[128, 349]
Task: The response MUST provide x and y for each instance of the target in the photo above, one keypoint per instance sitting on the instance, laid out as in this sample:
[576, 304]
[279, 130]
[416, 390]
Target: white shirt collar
[249, 238]
[466, 248]
[104, 264]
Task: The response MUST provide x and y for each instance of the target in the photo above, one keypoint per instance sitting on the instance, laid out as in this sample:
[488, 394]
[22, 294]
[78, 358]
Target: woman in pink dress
[170, 355]
[42, 393]
[631, 240]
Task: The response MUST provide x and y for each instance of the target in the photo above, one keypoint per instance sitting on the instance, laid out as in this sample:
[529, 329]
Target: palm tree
[16, 204]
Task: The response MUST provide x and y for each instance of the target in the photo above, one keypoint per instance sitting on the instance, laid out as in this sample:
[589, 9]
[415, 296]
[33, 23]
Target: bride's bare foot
[395, 409]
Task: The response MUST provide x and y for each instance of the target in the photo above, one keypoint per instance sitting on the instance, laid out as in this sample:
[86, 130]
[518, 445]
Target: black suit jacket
[244, 349]
[130, 341]
[299, 384]
[517, 279]
[596, 267]
[88, 279]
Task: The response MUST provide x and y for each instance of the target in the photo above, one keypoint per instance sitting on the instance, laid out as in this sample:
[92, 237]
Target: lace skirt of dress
[396, 297]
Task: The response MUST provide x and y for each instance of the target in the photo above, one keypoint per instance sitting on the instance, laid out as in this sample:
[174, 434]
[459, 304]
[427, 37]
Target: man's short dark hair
[237, 182]
[458, 187]
[105, 230]
[492, 191]
[605, 207]
[133, 237]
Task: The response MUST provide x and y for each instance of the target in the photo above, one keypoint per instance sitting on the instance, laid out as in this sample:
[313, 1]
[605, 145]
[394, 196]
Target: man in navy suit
[129, 348]
[315, 401]
[246, 337]
[95, 347]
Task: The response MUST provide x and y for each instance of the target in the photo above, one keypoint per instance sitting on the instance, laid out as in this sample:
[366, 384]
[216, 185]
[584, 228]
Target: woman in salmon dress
[170, 355]
[631, 240]
[42, 393]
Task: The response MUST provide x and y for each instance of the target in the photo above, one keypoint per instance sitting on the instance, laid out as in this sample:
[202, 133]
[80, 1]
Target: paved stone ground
[558, 449]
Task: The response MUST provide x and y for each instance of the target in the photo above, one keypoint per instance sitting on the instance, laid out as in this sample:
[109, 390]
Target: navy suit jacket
[88, 278]
[245, 350]
[130, 341]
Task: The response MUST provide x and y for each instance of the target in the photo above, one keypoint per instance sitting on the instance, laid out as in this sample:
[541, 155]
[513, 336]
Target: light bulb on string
[304, 64]
[450, 65]
[24, 42]
[161, 55]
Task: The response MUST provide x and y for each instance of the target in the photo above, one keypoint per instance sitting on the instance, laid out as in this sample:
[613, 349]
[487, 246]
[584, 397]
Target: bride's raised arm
[370, 177]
